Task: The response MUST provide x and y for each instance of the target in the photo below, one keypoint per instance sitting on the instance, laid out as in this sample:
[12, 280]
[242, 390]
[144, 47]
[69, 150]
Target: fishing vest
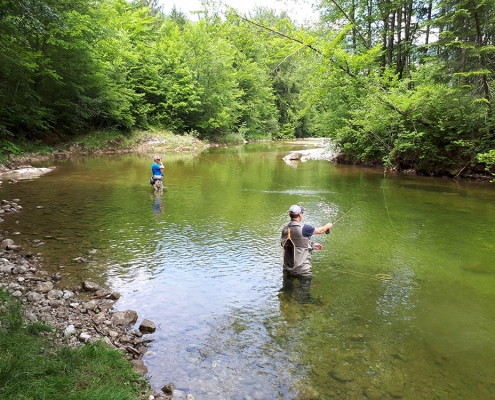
[297, 249]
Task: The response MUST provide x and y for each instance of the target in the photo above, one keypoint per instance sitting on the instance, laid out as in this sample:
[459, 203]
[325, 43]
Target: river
[401, 302]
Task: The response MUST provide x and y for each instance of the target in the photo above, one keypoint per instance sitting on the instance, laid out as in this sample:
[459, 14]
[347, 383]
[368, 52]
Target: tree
[467, 45]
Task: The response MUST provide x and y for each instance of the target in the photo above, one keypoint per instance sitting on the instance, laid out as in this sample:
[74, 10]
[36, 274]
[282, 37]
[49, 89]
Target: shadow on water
[203, 261]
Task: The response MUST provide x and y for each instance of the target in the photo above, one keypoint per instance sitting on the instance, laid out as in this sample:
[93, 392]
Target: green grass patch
[32, 367]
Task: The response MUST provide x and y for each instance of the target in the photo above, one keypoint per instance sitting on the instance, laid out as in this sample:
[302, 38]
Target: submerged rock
[478, 268]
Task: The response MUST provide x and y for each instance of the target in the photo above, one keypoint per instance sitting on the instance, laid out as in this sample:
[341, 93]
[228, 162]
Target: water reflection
[158, 204]
[205, 264]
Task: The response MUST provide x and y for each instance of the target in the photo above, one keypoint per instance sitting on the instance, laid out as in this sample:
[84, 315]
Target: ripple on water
[203, 262]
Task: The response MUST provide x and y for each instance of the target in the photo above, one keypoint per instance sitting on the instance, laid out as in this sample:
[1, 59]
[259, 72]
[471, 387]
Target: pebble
[70, 330]
[84, 337]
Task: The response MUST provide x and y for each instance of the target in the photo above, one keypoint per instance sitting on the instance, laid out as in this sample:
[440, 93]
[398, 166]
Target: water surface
[203, 261]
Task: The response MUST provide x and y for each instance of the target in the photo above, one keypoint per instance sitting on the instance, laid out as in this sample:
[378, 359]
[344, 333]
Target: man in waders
[297, 246]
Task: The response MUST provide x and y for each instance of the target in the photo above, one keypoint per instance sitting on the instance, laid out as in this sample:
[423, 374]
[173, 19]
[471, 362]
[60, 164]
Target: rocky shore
[81, 314]
[320, 153]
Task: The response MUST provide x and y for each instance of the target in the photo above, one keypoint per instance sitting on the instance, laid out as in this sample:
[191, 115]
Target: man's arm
[323, 229]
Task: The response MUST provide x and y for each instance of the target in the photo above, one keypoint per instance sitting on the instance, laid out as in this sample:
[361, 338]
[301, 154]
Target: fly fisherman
[297, 246]
[156, 170]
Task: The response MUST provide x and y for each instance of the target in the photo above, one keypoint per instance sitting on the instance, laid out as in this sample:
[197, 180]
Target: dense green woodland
[400, 83]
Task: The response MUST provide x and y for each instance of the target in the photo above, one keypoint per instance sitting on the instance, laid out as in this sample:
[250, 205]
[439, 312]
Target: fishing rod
[339, 218]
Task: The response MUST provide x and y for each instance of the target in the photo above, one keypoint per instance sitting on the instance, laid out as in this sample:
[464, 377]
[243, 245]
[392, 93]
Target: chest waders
[297, 250]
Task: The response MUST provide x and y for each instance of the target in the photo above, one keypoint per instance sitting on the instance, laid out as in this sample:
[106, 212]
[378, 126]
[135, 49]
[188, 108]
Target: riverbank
[71, 317]
[100, 142]
[33, 367]
[160, 141]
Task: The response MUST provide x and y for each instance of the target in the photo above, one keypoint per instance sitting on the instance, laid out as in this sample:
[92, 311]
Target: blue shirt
[155, 170]
[307, 230]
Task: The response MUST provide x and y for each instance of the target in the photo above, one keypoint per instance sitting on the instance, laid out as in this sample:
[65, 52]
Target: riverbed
[401, 302]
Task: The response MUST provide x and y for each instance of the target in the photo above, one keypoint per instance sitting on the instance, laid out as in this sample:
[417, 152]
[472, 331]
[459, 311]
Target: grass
[32, 367]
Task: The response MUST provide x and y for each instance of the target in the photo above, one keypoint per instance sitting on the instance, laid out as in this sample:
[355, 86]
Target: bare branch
[351, 20]
[357, 79]
[280, 34]
[286, 57]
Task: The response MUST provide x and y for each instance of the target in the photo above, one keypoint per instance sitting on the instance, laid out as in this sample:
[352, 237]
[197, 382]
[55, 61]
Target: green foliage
[363, 77]
[8, 147]
[428, 127]
[489, 160]
[230, 138]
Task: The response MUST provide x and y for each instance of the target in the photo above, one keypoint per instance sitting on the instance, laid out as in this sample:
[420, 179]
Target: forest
[403, 84]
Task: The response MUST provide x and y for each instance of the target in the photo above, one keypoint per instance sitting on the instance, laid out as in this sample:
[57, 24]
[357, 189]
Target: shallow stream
[203, 262]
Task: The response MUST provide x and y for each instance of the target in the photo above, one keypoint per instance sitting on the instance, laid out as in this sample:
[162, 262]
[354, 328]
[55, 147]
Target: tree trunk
[391, 32]
[428, 20]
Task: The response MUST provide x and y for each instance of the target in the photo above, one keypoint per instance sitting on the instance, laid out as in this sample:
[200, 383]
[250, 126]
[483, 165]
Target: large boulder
[25, 172]
[34, 297]
[124, 318]
[90, 286]
[7, 268]
[139, 366]
[7, 243]
[44, 287]
[147, 326]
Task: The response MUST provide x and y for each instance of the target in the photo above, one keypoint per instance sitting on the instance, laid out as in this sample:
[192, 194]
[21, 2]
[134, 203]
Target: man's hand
[317, 246]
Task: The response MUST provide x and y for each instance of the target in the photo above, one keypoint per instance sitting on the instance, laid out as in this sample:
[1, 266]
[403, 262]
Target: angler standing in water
[157, 168]
[157, 174]
[298, 246]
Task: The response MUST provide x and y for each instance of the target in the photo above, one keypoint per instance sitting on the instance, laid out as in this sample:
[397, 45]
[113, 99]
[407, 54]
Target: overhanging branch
[347, 71]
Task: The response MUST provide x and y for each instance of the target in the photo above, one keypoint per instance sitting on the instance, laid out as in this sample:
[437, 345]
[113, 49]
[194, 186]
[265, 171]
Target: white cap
[295, 209]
